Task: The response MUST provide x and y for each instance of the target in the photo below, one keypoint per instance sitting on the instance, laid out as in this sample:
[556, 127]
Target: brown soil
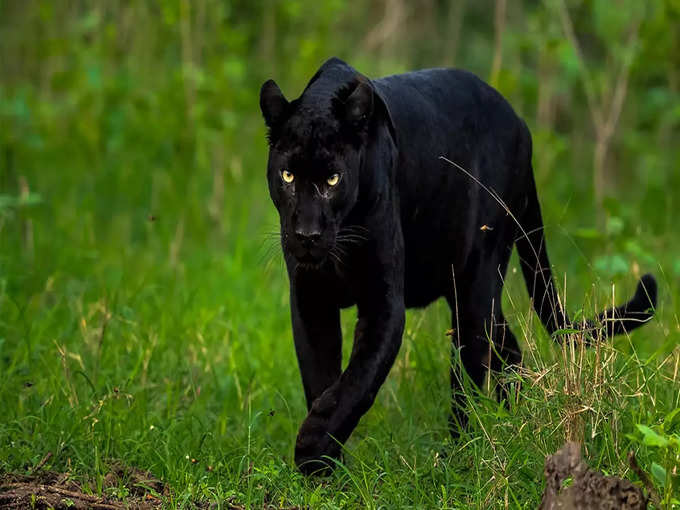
[58, 491]
[54, 490]
[589, 489]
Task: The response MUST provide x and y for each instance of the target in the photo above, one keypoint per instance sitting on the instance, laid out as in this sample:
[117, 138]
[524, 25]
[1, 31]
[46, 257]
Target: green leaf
[588, 233]
[632, 437]
[614, 226]
[651, 438]
[659, 473]
[633, 247]
[670, 420]
[565, 332]
[612, 264]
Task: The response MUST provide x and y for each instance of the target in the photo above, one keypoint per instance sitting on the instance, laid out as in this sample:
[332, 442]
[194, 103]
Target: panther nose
[307, 237]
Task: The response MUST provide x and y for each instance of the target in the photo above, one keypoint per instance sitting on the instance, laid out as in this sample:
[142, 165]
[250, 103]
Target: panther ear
[383, 112]
[272, 103]
[359, 105]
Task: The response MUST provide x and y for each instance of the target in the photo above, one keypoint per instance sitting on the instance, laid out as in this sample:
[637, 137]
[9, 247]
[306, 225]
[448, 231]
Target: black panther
[392, 193]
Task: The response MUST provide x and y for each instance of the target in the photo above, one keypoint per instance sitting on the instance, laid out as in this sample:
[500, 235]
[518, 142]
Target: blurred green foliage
[118, 108]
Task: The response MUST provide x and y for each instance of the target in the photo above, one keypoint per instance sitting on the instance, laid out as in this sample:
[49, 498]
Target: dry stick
[73, 397]
[176, 243]
[92, 500]
[100, 340]
[455, 300]
[525, 327]
[454, 24]
[568, 27]
[604, 125]
[389, 25]
[40, 464]
[187, 59]
[216, 202]
[457, 331]
[499, 27]
[27, 223]
[490, 339]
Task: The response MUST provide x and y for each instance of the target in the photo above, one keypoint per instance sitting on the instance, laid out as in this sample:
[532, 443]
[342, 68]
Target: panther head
[318, 146]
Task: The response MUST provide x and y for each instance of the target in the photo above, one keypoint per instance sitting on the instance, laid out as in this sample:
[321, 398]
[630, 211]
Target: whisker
[354, 242]
[341, 249]
[268, 256]
[269, 248]
[353, 236]
[354, 230]
[272, 235]
[338, 259]
[348, 243]
[356, 227]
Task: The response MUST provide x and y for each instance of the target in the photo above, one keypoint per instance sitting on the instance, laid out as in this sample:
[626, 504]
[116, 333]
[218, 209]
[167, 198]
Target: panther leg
[483, 341]
[471, 345]
[317, 334]
[480, 334]
[336, 413]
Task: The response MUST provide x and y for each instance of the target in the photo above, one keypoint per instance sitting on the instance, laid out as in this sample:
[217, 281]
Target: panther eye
[333, 179]
[287, 176]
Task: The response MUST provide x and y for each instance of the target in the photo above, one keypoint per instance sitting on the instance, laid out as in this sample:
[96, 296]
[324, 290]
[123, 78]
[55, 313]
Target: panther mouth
[311, 260]
[308, 255]
[311, 264]
[310, 267]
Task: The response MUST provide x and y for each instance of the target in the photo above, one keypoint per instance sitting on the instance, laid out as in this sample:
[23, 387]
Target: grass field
[144, 314]
[127, 335]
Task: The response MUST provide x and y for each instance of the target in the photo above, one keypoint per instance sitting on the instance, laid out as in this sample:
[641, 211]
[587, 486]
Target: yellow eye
[333, 179]
[287, 176]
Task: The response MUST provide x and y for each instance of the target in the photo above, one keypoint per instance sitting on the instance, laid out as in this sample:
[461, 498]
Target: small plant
[118, 491]
[664, 440]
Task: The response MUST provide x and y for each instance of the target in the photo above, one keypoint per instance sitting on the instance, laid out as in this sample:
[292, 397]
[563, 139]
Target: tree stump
[589, 489]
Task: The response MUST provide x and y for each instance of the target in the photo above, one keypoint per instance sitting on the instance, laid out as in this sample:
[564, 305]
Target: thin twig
[40, 464]
[499, 27]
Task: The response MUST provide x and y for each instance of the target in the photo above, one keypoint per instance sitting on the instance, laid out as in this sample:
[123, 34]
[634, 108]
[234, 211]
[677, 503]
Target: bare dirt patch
[139, 491]
[123, 487]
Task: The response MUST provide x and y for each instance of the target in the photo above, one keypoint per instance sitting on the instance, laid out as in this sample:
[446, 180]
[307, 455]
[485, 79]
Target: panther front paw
[315, 447]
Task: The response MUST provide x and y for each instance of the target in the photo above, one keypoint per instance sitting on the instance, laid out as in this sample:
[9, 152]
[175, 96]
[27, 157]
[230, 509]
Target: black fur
[435, 187]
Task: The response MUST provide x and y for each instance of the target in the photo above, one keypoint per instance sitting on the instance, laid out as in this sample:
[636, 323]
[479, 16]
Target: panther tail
[541, 286]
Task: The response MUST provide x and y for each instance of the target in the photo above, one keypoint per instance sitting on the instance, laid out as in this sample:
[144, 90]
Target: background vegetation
[143, 307]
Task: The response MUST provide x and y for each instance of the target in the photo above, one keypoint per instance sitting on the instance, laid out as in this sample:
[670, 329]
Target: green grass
[169, 348]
